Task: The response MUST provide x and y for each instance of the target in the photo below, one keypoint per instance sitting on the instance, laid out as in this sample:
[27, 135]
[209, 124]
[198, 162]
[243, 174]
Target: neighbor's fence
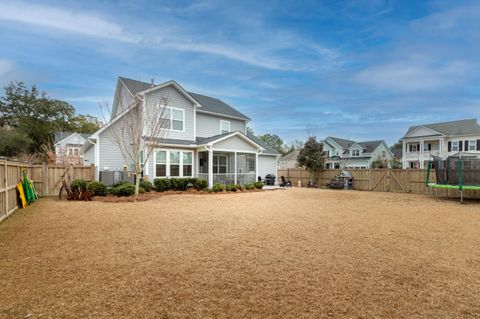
[380, 180]
[46, 178]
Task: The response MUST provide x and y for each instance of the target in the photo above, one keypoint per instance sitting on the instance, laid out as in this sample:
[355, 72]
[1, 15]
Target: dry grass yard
[280, 254]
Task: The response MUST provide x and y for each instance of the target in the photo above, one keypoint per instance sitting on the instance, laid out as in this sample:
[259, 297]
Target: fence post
[46, 188]
[6, 185]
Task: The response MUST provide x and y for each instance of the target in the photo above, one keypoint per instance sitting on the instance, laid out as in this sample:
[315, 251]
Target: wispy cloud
[61, 19]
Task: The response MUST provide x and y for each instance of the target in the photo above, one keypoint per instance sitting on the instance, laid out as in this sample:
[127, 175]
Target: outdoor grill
[270, 179]
[344, 180]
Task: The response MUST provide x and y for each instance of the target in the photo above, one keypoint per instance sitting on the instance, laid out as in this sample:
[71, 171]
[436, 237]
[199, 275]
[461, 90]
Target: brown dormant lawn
[278, 254]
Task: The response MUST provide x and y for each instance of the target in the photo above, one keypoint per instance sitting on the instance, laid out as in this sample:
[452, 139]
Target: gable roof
[370, 146]
[208, 104]
[290, 156]
[460, 127]
[61, 135]
[342, 142]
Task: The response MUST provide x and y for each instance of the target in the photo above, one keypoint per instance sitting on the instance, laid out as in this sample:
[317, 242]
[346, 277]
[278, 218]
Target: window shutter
[466, 146]
[478, 145]
[410, 146]
[429, 147]
[449, 146]
[460, 146]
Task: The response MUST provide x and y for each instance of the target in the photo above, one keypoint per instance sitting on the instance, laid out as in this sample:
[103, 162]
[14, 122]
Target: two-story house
[347, 154]
[204, 137]
[68, 147]
[420, 142]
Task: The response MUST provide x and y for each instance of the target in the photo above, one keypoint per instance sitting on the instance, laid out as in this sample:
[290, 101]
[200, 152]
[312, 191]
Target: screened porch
[228, 167]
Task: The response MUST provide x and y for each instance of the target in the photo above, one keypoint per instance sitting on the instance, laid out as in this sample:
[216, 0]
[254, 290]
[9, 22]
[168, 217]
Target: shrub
[218, 187]
[98, 188]
[162, 184]
[258, 185]
[249, 186]
[239, 187]
[146, 185]
[120, 184]
[231, 188]
[200, 184]
[125, 190]
[79, 185]
[141, 190]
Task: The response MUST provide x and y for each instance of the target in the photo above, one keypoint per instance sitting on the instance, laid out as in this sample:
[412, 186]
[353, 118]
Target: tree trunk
[137, 183]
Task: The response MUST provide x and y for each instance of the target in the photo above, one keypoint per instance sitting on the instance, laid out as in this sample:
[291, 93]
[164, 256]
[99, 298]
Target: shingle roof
[342, 142]
[460, 127]
[290, 156]
[208, 103]
[170, 141]
[268, 148]
[370, 146]
[205, 140]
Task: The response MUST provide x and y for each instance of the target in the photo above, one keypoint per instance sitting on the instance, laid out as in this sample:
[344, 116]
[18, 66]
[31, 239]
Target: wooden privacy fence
[381, 180]
[46, 178]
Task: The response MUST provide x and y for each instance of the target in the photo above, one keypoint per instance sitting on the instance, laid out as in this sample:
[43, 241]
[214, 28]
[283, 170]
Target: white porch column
[235, 166]
[256, 166]
[421, 159]
[404, 154]
[210, 167]
[440, 147]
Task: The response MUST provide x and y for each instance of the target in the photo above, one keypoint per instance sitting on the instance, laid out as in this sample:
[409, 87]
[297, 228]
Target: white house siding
[267, 164]
[110, 156]
[176, 100]
[234, 143]
[209, 125]
[89, 156]
[378, 152]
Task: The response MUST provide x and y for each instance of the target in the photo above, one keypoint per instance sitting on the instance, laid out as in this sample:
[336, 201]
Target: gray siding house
[348, 154]
[207, 138]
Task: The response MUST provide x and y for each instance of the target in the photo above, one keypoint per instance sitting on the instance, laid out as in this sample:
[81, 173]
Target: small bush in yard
[125, 190]
[231, 188]
[218, 187]
[141, 190]
[79, 185]
[162, 184]
[200, 184]
[146, 185]
[258, 185]
[239, 187]
[120, 184]
[98, 188]
[249, 186]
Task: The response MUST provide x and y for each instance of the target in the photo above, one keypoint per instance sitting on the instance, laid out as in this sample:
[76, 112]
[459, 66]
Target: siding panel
[209, 125]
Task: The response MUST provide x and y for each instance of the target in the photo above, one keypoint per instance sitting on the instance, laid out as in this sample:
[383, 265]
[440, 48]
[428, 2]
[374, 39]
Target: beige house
[288, 161]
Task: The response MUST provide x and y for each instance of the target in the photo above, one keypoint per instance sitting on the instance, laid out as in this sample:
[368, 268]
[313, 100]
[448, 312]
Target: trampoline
[460, 171]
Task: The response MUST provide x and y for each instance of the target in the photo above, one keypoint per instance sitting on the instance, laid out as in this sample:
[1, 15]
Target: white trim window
[173, 163]
[161, 164]
[173, 119]
[472, 145]
[355, 153]
[455, 146]
[224, 126]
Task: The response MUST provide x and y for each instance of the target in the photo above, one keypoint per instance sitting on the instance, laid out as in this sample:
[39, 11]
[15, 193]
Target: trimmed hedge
[249, 186]
[179, 184]
[146, 185]
[218, 188]
[125, 190]
[259, 185]
[98, 188]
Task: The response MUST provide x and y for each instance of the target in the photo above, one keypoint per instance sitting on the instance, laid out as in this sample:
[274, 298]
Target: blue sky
[354, 69]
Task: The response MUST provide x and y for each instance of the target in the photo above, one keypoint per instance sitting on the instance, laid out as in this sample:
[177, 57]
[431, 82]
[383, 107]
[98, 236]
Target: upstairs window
[173, 119]
[472, 145]
[455, 146]
[224, 126]
[356, 153]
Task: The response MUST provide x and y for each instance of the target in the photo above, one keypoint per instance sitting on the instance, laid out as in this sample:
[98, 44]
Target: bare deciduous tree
[137, 130]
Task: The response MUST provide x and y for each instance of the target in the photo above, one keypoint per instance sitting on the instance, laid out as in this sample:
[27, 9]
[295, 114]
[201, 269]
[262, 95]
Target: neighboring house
[207, 138]
[288, 161]
[439, 139]
[341, 153]
[68, 148]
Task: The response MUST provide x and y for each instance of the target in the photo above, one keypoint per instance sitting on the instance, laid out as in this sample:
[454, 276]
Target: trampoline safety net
[456, 170]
